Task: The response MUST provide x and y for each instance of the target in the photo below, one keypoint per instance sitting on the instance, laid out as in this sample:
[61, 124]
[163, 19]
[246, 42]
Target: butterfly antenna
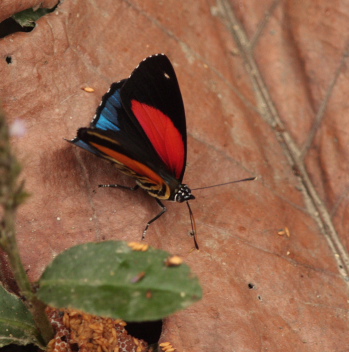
[226, 183]
[193, 226]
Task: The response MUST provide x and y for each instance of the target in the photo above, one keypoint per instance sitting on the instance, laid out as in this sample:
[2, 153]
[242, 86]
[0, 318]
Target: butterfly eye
[183, 194]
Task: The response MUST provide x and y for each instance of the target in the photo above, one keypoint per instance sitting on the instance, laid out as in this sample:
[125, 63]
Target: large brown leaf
[265, 89]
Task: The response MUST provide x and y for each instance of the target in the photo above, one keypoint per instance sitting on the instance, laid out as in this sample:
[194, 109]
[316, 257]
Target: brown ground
[265, 86]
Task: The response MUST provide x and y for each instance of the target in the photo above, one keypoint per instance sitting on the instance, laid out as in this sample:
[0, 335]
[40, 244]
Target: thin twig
[292, 152]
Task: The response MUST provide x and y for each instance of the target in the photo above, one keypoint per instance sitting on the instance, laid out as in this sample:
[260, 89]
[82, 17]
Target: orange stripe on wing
[134, 165]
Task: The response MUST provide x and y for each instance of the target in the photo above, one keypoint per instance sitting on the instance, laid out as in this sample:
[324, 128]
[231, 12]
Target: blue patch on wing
[86, 146]
[107, 114]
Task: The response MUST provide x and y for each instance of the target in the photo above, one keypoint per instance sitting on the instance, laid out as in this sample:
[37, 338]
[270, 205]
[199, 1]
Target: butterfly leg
[164, 209]
[193, 227]
[119, 186]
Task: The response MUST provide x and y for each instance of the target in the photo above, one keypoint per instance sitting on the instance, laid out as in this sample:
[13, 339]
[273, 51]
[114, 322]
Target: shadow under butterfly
[140, 126]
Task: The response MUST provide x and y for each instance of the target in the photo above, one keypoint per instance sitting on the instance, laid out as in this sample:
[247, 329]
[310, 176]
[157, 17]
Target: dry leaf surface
[265, 88]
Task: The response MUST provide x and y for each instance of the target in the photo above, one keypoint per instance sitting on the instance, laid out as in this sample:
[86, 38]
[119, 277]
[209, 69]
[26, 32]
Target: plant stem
[12, 194]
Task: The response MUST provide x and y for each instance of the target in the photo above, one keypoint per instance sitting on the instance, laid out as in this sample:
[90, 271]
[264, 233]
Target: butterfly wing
[107, 117]
[144, 135]
[153, 101]
[112, 129]
[113, 136]
[140, 126]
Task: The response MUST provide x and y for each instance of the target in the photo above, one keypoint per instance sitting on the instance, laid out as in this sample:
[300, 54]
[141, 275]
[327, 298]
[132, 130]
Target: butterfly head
[183, 194]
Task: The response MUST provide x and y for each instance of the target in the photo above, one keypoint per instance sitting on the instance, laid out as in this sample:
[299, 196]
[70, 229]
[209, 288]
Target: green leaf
[16, 322]
[110, 279]
[27, 18]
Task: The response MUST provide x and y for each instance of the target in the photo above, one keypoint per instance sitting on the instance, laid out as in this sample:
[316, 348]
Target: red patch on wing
[164, 136]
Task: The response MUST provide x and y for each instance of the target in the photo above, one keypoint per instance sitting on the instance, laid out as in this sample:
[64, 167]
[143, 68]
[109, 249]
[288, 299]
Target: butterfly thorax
[171, 189]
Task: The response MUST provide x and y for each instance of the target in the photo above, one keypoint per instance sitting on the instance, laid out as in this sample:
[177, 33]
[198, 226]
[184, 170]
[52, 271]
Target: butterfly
[140, 126]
